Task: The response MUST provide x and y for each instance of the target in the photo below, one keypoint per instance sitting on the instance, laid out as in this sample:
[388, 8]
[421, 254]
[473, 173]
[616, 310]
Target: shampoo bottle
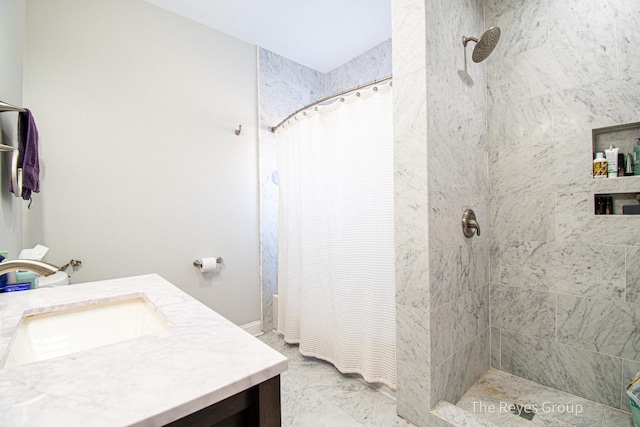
[612, 161]
[636, 158]
[600, 166]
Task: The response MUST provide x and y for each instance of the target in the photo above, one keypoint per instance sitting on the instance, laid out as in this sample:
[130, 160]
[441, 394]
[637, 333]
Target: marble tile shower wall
[286, 86]
[457, 162]
[371, 65]
[565, 284]
[411, 211]
[441, 168]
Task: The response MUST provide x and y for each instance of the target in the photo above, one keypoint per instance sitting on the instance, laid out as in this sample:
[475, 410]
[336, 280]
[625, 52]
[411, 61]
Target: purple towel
[28, 159]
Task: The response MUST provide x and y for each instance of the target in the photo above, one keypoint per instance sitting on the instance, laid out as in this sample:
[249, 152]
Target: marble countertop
[151, 380]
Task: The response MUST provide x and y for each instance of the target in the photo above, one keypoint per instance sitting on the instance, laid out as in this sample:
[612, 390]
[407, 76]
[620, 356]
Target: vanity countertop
[151, 380]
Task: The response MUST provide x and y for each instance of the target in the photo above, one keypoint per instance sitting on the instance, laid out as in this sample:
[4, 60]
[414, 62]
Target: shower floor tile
[495, 395]
[315, 394]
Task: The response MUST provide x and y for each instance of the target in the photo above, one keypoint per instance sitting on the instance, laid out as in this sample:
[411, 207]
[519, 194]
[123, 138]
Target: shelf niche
[621, 136]
[623, 203]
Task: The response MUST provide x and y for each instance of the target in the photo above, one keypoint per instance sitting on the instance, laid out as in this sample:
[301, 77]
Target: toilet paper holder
[198, 263]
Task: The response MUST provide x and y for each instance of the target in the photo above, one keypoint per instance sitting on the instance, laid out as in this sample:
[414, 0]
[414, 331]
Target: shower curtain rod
[320, 101]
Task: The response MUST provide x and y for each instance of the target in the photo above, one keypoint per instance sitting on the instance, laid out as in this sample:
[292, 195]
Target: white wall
[12, 22]
[141, 169]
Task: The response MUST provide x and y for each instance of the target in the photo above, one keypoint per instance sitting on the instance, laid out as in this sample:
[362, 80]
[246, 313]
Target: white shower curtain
[336, 293]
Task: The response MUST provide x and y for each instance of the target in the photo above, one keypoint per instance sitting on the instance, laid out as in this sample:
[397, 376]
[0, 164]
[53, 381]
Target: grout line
[560, 293]
[556, 313]
[622, 394]
[546, 7]
[571, 346]
[626, 286]
[500, 348]
[615, 39]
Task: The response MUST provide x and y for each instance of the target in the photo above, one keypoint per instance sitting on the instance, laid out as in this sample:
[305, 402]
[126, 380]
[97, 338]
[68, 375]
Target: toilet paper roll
[208, 264]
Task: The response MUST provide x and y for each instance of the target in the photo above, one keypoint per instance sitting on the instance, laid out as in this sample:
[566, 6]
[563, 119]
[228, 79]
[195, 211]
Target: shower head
[485, 45]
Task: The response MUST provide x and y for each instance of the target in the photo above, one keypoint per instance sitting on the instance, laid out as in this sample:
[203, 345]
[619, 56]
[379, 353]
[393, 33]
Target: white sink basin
[57, 333]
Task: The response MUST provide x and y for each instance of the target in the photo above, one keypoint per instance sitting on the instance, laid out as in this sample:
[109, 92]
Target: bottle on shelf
[636, 157]
[600, 166]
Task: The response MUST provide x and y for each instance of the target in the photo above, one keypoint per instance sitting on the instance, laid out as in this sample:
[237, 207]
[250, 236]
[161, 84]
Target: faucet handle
[469, 223]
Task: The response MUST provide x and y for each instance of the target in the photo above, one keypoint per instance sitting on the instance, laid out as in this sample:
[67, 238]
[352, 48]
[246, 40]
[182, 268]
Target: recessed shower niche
[616, 204]
[624, 137]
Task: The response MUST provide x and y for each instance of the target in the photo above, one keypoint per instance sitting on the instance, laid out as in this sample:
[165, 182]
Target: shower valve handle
[469, 223]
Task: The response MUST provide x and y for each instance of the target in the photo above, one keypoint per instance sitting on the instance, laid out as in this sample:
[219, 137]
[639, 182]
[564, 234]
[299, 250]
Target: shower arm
[468, 39]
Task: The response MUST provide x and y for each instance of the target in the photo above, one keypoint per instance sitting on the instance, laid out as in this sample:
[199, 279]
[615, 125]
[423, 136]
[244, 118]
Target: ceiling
[320, 34]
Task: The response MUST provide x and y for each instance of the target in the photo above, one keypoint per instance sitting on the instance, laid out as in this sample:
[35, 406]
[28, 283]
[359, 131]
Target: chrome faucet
[38, 267]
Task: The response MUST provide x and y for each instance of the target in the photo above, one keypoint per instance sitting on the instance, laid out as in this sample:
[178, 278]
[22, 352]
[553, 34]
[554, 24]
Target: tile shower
[549, 292]
[563, 311]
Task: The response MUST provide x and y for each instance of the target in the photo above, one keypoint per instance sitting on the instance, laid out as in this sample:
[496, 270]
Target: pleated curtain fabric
[336, 292]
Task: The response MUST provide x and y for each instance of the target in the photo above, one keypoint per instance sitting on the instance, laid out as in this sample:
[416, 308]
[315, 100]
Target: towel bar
[8, 107]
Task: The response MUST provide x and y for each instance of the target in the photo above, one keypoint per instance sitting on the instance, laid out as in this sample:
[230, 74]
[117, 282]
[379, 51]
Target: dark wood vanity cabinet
[258, 406]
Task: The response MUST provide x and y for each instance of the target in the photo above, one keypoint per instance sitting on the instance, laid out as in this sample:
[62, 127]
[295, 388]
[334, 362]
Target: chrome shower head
[485, 45]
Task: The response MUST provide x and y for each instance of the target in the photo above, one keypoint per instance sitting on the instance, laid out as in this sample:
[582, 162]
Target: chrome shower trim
[485, 45]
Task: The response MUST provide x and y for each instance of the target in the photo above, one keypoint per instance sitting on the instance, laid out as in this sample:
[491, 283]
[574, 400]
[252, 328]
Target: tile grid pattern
[315, 394]
[441, 168]
[541, 107]
[565, 283]
[413, 351]
[457, 164]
